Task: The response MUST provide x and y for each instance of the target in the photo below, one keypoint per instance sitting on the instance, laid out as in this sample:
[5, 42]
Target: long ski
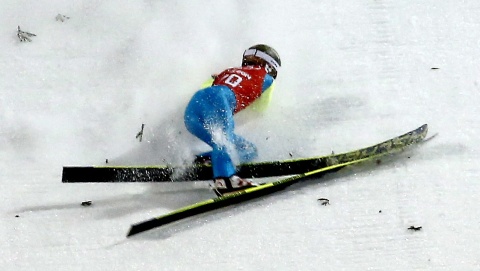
[101, 174]
[398, 144]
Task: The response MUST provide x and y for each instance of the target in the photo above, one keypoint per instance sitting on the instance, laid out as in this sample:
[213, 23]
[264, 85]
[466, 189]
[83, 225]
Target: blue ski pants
[209, 116]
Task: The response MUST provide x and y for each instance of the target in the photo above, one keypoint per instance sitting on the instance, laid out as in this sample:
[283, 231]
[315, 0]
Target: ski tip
[424, 127]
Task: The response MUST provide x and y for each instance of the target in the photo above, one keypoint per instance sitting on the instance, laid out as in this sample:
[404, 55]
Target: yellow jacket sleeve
[207, 83]
[262, 103]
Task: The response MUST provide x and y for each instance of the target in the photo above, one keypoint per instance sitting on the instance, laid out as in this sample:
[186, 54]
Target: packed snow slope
[354, 73]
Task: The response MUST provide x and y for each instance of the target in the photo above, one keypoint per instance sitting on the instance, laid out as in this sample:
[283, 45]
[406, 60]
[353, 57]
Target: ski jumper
[209, 114]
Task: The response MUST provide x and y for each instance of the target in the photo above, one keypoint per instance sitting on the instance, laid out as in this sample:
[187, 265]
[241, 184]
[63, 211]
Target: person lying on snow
[209, 113]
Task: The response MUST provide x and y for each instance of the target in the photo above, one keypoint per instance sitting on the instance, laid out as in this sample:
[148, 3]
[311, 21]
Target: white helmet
[267, 55]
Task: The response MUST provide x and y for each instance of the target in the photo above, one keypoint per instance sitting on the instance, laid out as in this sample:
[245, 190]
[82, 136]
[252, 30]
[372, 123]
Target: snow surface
[354, 73]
